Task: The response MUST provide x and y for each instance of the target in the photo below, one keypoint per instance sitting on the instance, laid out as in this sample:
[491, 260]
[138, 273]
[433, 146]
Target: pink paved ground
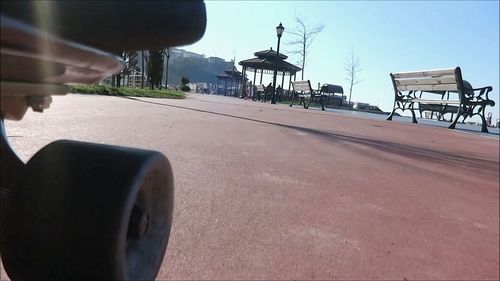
[268, 192]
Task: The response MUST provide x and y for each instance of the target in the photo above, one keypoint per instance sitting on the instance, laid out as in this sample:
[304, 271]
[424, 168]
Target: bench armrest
[482, 95]
[406, 96]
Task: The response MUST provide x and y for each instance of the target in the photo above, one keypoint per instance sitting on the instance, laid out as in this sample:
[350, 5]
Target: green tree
[184, 82]
[155, 68]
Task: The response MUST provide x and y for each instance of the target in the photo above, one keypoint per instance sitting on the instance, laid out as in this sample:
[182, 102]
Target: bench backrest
[302, 86]
[260, 88]
[332, 89]
[432, 80]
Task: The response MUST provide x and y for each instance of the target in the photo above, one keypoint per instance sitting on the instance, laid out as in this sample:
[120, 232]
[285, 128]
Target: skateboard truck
[39, 103]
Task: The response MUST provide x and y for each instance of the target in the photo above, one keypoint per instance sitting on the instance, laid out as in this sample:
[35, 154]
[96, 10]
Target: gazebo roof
[233, 72]
[268, 64]
[269, 54]
[230, 74]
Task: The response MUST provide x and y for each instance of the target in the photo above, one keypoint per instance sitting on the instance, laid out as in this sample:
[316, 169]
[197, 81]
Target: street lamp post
[279, 32]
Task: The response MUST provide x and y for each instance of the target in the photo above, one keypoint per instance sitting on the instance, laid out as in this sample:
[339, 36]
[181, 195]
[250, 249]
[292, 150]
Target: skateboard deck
[35, 63]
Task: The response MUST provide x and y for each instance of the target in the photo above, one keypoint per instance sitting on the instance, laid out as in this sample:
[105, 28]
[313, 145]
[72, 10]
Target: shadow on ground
[408, 151]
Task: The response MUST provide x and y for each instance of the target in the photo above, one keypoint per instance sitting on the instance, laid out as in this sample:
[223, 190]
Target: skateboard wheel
[89, 211]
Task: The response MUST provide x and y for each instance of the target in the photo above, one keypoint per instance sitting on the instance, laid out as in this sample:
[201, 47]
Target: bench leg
[452, 126]
[484, 126]
[309, 103]
[324, 102]
[413, 117]
[392, 113]
[293, 99]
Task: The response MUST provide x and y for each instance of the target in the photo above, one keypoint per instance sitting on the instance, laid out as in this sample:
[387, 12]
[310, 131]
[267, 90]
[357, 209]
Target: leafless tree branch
[303, 36]
[352, 68]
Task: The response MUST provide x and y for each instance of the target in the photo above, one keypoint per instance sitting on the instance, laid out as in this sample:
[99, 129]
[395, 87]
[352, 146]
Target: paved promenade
[271, 192]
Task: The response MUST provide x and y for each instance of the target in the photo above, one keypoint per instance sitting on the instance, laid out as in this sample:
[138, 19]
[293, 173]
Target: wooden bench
[259, 91]
[262, 93]
[330, 90]
[302, 91]
[407, 85]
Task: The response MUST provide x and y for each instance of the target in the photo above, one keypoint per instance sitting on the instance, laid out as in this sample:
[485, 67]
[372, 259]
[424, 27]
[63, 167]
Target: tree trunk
[303, 65]
[166, 73]
[142, 70]
[303, 55]
[350, 92]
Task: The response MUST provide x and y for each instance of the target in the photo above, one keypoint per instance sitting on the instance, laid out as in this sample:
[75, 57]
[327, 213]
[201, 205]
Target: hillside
[196, 69]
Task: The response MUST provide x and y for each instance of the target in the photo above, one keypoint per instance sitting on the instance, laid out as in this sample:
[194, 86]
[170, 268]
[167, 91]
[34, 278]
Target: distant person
[250, 90]
[269, 87]
[488, 119]
[269, 91]
[279, 92]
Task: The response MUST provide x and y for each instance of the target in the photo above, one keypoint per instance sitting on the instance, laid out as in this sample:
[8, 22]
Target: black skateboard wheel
[89, 211]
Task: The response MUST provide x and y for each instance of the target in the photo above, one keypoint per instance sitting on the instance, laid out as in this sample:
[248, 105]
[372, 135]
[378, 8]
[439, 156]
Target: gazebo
[231, 78]
[265, 63]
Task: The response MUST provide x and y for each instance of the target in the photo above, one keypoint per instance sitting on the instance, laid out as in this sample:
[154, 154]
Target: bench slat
[301, 89]
[300, 82]
[429, 73]
[426, 81]
[441, 87]
[436, 101]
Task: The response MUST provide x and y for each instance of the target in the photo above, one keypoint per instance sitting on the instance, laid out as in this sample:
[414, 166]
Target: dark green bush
[125, 91]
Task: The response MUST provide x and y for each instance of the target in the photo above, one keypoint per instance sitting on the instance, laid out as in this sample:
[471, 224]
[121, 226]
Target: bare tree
[130, 64]
[352, 68]
[304, 35]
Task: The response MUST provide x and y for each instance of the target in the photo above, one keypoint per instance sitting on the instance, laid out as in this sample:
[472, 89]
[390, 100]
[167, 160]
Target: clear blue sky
[386, 36]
